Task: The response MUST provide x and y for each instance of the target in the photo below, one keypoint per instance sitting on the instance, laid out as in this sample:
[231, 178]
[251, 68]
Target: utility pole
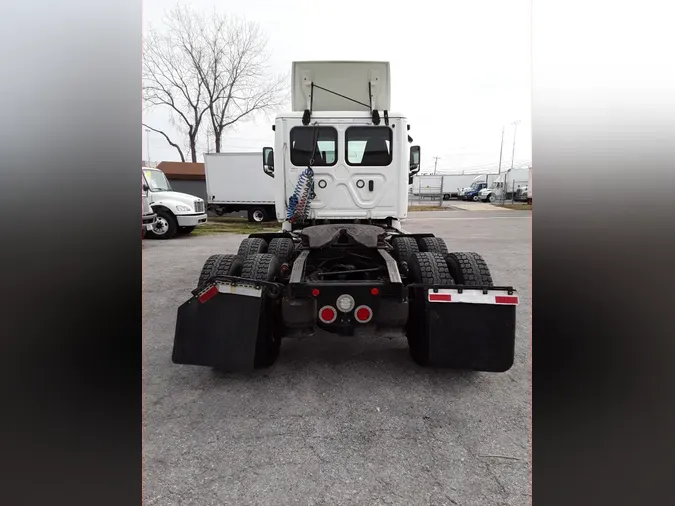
[147, 143]
[436, 158]
[515, 129]
[501, 149]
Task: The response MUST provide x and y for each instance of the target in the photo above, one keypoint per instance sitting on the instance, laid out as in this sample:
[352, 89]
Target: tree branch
[180, 151]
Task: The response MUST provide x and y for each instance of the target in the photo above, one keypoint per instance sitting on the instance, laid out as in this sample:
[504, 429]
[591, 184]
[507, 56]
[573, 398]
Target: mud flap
[219, 327]
[470, 328]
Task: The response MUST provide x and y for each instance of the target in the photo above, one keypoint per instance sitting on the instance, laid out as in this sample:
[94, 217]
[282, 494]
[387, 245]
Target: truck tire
[404, 248]
[165, 226]
[219, 265]
[475, 198]
[265, 267]
[430, 268]
[492, 197]
[433, 244]
[185, 230]
[257, 214]
[251, 246]
[283, 248]
[469, 269]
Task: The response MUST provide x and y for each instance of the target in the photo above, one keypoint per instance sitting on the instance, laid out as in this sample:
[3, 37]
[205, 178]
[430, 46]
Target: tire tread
[283, 248]
[251, 246]
[469, 269]
[434, 244]
[404, 248]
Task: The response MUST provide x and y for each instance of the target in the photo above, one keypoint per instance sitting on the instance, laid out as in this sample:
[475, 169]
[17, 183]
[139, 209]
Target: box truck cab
[177, 213]
[148, 216]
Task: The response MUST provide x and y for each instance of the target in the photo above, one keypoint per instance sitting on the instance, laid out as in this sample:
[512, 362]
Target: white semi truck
[504, 185]
[234, 182]
[176, 213]
[342, 261]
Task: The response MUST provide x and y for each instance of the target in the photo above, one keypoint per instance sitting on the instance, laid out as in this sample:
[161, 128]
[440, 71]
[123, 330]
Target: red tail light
[327, 314]
[363, 314]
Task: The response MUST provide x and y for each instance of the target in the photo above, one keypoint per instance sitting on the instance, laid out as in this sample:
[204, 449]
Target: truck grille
[199, 206]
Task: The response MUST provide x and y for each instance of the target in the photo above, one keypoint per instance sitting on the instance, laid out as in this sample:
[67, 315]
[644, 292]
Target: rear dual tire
[261, 267]
[219, 265]
[265, 267]
[437, 268]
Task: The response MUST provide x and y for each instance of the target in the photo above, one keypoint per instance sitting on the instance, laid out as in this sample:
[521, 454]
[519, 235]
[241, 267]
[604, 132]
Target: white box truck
[427, 186]
[235, 182]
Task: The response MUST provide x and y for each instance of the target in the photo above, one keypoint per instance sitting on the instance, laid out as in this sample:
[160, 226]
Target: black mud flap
[218, 327]
[469, 328]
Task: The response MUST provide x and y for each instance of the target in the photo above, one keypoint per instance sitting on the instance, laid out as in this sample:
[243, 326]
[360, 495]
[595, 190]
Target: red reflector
[208, 294]
[439, 297]
[315, 292]
[375, 291]
[506, 299]
[327, 314]
[363, 314]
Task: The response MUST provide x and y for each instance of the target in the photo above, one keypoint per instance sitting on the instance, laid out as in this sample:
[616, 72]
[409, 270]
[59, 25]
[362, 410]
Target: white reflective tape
[497, 297]
[248, 291]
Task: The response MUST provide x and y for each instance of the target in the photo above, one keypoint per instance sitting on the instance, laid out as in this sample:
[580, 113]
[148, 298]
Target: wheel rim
[160, 226]
[258, 215]
[492, 198]
[475, 198]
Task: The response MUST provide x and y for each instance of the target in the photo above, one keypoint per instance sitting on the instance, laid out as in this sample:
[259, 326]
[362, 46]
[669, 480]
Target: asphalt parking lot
[337, 420]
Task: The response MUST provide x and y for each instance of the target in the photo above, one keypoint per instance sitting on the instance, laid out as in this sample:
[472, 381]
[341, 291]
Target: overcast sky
[460, 71]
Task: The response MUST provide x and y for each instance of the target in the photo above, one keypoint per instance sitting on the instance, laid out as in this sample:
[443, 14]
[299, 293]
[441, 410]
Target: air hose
[299, 202]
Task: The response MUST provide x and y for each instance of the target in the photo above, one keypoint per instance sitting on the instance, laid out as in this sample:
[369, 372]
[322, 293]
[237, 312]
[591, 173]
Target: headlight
[183, 208]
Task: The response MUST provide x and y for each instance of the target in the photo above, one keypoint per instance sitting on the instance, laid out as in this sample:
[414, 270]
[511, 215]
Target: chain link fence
[513, 192]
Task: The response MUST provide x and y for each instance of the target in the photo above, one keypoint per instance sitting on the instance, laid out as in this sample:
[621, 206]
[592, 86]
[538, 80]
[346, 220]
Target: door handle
[371, 185]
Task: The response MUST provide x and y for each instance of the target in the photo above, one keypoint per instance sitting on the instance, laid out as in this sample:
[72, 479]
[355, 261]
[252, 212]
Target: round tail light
[363, 314]
[327, 314]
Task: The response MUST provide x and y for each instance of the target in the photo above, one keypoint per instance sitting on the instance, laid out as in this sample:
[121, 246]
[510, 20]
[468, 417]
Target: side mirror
[268, 161]
[145, 188]
[414, 160]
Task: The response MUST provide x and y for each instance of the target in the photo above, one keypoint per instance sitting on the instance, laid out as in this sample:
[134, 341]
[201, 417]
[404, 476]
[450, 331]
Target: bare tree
[215, 66]
[238, 79]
